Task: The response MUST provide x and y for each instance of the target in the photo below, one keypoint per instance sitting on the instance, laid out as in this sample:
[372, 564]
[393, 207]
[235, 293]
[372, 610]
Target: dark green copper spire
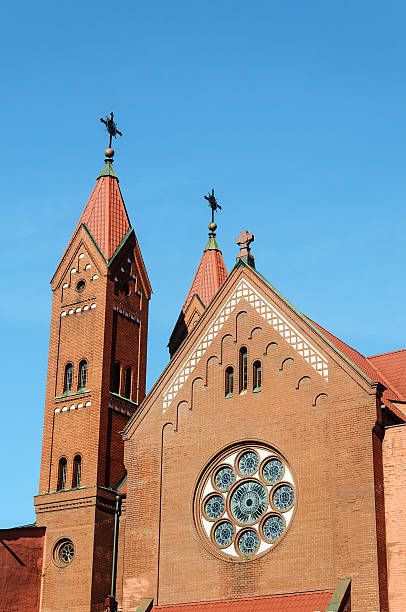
[108, 169]
[212, 244]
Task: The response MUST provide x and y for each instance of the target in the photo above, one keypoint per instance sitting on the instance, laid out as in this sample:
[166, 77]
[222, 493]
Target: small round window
[80, 286]
[64, 552]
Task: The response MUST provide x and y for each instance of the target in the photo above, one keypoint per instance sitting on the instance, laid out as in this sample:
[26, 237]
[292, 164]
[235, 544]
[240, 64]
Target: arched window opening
[116, 378]
[243, 368]
[67, 383]
[229, 382]
[127, 389]
[61, 474]
[82, 375]
[257, 376]
[77, 471]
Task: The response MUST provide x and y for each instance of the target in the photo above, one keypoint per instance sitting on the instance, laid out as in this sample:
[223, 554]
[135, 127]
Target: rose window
[244, 501]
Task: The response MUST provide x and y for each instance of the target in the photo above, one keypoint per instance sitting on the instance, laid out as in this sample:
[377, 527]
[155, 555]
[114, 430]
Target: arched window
[61, 474]
[77, 471]
[243, 368]
[229, 382]
[127, 389]
[67, 383]
[82, 375]
[257, 376]
[116, 378]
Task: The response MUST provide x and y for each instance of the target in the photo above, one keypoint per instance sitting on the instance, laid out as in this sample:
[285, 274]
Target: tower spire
[210, 275]
[105, 214]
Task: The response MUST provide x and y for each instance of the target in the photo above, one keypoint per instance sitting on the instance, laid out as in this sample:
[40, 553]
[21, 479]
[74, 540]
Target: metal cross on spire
[111, 127]
[214, 205]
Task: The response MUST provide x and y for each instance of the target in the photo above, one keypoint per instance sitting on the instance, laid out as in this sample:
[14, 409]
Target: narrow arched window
[67, 383]
[257, 376]
[243, 368]
[116, 378]
[82, 375]
[77, 471]
[229, 382]
[61, 474]
[127, 386]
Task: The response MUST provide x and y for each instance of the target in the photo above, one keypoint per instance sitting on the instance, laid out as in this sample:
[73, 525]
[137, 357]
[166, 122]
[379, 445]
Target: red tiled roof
[393, 367]
[105, 215]
[369, 366]
[315, 601]
[210, 275]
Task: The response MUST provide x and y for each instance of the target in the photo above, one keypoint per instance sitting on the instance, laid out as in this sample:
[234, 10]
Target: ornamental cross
[214, 205]
[244, 242]
[111, 127]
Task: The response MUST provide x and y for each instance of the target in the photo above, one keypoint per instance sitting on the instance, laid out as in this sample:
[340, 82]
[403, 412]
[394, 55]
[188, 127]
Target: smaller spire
[244, 241]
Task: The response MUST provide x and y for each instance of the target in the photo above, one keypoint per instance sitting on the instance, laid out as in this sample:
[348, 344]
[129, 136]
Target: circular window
[248, 502]
[242, 507]
[223, 534]
[283, 497]
[214, 507]
[248, 542]
[64, 552]
[273, 527]
[224, 478]
[248, 463]
[80, 286]
[272, 470]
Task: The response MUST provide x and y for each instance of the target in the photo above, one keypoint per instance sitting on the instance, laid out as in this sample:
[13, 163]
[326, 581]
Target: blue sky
[293, 112]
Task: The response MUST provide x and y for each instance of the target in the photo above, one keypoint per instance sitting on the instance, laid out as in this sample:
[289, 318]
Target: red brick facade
[394, 448]
[248, 373]
[99, 314]
[323, 427]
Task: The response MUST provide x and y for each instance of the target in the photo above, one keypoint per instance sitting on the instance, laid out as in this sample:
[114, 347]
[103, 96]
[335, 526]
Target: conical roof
[210, 274]
[105, 213]
[208, 279]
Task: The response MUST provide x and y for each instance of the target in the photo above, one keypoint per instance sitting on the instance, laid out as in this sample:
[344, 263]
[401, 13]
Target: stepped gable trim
[70, 246]
[244, 290]
[193, 337]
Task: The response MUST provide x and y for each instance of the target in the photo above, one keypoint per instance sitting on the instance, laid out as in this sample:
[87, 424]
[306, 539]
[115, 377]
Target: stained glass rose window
[244, 501]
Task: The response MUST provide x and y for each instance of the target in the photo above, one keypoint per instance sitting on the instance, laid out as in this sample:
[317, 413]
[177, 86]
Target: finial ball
[212, 226]
[109, 152]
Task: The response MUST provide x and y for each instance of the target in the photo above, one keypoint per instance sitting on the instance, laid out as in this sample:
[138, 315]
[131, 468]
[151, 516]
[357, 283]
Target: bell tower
[96, 380]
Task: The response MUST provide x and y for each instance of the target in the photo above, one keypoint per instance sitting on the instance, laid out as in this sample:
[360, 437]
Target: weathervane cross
[111, 127]
[214, 205]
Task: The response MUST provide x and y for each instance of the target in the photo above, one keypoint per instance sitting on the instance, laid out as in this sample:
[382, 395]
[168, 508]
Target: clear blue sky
[295, 113]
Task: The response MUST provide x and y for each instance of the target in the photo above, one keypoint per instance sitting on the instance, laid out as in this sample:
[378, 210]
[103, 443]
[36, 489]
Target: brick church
[263, 472]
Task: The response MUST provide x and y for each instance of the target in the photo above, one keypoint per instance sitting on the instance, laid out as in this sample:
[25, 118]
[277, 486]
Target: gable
[245, 290]
[82, 254]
